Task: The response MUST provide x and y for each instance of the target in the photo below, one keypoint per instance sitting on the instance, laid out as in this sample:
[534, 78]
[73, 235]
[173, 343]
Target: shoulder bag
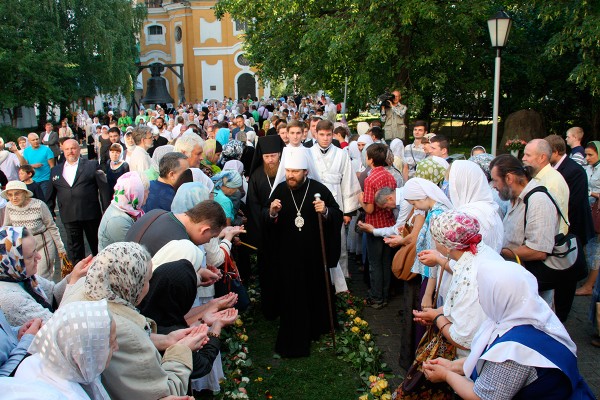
[405, 256]
[565, 251]
[433, 345]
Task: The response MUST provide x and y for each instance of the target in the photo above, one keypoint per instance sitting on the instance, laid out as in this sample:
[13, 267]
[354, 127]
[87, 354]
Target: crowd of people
[171, 200]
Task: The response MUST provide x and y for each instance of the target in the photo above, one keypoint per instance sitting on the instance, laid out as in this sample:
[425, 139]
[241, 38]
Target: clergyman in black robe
[262, 177]
[304, 314]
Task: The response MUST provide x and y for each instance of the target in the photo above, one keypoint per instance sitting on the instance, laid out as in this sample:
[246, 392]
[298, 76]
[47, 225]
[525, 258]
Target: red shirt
[377, 179]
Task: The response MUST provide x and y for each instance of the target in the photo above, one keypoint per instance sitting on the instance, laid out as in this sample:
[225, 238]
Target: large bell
[156, 87]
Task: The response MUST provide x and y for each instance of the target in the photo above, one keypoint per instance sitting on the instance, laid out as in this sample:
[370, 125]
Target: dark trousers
[75, 242]
[49, 195]
[380, 268]
[563, 282]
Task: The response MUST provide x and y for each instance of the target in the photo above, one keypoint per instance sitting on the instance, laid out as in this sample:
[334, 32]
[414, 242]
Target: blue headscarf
[228, 178]
[223, 136]
[188, 195]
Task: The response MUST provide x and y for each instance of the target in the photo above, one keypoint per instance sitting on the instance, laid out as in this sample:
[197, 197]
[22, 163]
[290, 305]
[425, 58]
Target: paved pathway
[385, 323]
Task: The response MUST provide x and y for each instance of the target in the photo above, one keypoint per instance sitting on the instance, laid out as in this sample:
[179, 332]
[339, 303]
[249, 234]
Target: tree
[62, 50]
[437, 52]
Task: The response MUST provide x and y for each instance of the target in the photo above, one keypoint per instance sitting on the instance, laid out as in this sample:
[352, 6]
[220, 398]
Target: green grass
[321, 376]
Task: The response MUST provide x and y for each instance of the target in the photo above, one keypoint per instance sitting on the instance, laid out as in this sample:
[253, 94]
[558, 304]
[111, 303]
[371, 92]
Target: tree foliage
[437, 52]
[60, 50]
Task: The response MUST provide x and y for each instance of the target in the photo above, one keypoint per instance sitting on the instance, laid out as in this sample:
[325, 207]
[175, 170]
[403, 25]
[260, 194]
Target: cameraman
[392, 115]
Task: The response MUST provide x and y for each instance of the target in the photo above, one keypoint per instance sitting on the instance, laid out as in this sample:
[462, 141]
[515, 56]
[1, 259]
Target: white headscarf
[353, 150]
[74, 346]
[471, 194]
[419, 189]
[287, 151]
[508, 294]
[366, 139]
[397, 148]
[201, 177]
[177, 250]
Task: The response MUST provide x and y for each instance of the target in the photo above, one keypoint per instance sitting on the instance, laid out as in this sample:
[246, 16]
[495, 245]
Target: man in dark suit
[77, 183]
[580, 214]
[50, 139]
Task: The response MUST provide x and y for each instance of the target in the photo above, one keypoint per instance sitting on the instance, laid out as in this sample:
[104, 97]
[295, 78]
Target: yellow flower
[372, 378]
[364, 397]
[357, 320]
[239, 322]
[386, 396]
[244, 338]
[364, 323]
[351, 312]
[367, 337]
[382, 384]
[259, 379]
[375, 390]
[355, 329]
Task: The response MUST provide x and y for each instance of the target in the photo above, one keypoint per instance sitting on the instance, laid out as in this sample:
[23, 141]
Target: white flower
[245, 379]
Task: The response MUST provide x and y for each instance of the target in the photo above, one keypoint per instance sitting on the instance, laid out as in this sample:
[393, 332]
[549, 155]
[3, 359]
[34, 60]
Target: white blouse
[461, 303]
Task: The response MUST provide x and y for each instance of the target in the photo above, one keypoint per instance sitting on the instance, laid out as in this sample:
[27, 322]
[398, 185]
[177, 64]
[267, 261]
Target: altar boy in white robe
[335, 170]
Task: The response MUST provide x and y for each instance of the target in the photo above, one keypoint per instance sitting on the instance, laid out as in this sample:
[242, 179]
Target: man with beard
[533, 240]
[262, 175]
[291, 220]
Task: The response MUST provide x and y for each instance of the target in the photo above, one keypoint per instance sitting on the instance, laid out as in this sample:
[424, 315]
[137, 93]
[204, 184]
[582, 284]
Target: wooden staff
[327, 280]
[247, 245]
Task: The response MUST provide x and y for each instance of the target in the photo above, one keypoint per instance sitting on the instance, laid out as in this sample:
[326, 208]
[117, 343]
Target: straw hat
[16, 185]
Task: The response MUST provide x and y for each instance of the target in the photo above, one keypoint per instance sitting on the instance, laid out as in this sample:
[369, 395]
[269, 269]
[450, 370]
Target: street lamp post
[499, 26]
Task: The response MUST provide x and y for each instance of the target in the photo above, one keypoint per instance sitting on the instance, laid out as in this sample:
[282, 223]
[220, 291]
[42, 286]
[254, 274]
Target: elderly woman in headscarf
[521, 350]
[121, 273]
[169, 301]
[24, 295]
[71, 350]
[483, 161]
[131, 192]
[426, 196]
[232, 150]
[461, 252]
[227, 184]
[470, 193]
[211, 151]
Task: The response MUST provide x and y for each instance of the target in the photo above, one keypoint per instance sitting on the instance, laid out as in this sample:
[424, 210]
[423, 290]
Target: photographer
[392, 115]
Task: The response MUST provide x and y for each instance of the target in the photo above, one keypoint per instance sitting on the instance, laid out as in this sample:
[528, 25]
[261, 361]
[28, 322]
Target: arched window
[155, 30]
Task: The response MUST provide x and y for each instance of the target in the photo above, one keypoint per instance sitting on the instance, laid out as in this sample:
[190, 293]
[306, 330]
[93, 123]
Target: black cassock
[302, 293]
[259, 188]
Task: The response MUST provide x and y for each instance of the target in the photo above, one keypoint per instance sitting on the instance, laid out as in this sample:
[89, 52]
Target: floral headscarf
[233, 150]
[456, 230]
[117, 274]
[129, 194]
[483, 160]
[12, 264]
[188, 195]
[75, 344]
[432, 169]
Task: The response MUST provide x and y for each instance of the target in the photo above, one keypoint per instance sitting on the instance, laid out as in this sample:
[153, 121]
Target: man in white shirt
[78, 182]
[335, 171]
[178, 129]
